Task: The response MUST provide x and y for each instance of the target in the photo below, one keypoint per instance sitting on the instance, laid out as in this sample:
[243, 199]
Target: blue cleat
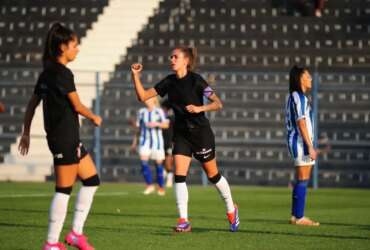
[182, 226]
[234, 219]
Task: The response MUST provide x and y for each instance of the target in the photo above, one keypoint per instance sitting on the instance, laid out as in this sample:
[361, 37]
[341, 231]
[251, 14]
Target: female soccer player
[61, 107]
[150, 121]
[192, 131]
[300, 140]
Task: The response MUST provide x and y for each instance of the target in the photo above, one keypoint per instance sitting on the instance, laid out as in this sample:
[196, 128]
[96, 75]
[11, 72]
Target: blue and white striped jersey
[297, 107]
[151, 138]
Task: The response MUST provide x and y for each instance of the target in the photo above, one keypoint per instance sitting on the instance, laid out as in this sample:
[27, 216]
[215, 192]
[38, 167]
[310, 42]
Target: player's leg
[145, 152]
[223, 188]
[182, 163]
[65, 178]
[168, 164]
[303, 174]
[160, 175]
[90, 182]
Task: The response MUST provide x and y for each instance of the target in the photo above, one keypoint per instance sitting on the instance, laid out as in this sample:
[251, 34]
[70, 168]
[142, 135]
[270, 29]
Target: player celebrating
[300, 140]
[150, 121]
[192, 131]
[61, 107]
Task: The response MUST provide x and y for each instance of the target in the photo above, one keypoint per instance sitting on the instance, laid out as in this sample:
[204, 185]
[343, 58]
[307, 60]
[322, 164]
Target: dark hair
[57, 35]
[166, 104]
[191, 53]
[295, 75]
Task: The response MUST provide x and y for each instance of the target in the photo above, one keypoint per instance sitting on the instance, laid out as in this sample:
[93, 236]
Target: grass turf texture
[123, 218]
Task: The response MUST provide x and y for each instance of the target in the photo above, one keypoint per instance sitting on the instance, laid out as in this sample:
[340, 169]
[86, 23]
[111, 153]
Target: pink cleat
[54, 246]
[78, 241]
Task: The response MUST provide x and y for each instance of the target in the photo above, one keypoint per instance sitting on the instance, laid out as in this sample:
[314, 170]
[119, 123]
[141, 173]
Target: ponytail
[57, 35]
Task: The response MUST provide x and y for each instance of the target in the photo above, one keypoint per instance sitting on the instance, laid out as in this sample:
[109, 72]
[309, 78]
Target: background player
[150, 122]
[300, 140]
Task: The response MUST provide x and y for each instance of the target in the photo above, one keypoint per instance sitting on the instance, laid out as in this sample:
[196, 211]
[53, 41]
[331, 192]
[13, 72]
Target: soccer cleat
[54, 246]
[161, 192]
[304, 221]
[78, 241]
[149, 189]
[182, 226]
[234, 219]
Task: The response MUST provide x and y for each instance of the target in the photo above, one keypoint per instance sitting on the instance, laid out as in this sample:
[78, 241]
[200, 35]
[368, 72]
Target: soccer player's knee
[180, 178]
[215, 178]
[64, 190]
[91, 181]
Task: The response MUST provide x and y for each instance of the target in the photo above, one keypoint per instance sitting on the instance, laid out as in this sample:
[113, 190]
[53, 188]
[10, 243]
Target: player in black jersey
[61, 107]
[193, 135]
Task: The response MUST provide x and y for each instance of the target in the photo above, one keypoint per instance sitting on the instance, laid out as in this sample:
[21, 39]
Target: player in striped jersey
[150, 121]
[300, 133]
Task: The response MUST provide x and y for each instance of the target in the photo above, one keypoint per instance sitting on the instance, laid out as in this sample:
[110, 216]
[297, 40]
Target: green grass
[123, 218]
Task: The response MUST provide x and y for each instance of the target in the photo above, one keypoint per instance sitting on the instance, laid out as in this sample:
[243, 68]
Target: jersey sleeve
[162, 86]
[162, 115]
[206, 90]
[138, 118]
[300, 104]
[66, 82]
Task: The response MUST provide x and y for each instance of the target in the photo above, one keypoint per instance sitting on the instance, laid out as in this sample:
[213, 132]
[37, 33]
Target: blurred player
[300, 136]
[2, 107]
[168, 142]
[150, 121]
[192, 132]
[61, 107]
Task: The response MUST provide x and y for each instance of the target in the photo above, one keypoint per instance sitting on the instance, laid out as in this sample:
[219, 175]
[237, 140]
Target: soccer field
[123, 218]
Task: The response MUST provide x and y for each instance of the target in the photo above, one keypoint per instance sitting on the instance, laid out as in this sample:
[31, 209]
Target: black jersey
[60, 119]
[182, 92]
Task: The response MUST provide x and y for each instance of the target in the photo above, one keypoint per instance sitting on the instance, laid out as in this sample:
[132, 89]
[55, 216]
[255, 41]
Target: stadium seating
[248, 47]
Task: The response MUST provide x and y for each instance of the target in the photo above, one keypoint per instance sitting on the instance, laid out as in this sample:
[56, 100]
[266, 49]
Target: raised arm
[24, 143]
[141, 93]
[82, 109]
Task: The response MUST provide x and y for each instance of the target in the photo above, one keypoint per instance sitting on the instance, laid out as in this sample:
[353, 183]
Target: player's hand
[133, 148]
[136, 68]
[97, 120]
[24, 144]
[194, 109]
[152, 124]
[312, 152]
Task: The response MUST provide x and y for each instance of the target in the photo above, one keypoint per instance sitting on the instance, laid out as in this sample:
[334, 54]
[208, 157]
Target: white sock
[224, 190]
[83, 203]
[169, 180]
[57, 215]
[182, 197]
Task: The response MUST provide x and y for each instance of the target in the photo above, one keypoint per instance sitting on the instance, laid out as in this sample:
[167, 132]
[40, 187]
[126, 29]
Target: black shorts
[199, 142]
[66, 153]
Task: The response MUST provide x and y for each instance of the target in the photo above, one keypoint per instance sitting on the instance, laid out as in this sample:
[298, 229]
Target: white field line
[6, 196]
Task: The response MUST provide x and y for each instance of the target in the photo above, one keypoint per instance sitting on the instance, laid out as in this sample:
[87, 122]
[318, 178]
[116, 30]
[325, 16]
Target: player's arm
[141, 93]
[306, 138]
[163, 125]
[82, 109]
[214, 105]
[24, 143]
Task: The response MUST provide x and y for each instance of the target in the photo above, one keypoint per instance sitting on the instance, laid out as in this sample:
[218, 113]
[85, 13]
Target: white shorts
[153, 154]
[303, 161]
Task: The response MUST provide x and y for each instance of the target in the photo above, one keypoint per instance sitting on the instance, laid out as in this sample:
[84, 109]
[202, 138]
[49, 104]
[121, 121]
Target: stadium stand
[249, 46]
